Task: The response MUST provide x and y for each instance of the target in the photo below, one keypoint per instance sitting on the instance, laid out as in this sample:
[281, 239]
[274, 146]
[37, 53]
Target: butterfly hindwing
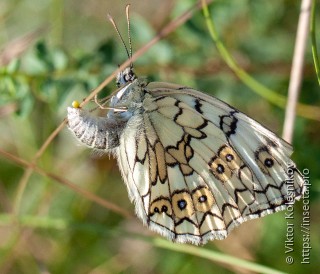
[211, 148]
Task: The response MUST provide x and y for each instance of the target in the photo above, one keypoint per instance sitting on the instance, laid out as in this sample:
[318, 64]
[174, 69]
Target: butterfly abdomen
[96, 132]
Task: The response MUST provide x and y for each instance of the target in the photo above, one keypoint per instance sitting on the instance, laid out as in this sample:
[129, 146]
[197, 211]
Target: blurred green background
[54, 51]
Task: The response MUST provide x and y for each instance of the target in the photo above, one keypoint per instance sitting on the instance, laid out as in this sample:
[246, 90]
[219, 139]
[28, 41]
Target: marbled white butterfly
[194, 166]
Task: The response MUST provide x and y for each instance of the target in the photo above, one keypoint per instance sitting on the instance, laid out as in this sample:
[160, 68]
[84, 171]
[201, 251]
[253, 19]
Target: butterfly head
[125, 76]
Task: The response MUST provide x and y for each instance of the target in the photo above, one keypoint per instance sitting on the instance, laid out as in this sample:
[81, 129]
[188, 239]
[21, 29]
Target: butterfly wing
[195, 167]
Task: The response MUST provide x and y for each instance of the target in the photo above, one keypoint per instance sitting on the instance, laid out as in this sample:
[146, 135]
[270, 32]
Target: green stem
[215, 256]
[314, 40]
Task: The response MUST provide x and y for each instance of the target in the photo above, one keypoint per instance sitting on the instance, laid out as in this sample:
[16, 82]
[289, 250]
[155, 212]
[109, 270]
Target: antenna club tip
[109, 17]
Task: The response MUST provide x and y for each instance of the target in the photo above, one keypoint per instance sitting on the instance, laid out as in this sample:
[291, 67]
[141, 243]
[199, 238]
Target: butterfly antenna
[118, 32]
[129, 36]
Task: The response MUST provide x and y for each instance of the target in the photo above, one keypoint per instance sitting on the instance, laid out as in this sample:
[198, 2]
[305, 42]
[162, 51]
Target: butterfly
[194, 166]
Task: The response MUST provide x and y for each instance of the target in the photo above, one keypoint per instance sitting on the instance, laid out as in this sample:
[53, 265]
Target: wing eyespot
[182, 204]
[220, 169]
[203, 199]
[264, 159]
